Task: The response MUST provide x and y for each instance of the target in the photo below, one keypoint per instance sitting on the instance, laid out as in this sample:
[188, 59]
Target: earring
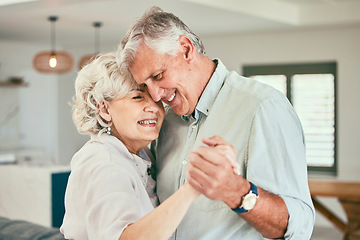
[108, 131]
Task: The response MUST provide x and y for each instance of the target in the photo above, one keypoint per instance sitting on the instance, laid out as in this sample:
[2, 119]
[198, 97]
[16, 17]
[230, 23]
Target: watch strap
[253, 189]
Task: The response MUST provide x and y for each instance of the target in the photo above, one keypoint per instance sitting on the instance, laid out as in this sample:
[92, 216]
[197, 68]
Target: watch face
[249, 201]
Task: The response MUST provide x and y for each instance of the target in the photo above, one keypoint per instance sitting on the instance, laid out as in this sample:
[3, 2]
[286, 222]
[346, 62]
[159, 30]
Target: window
[311, 90]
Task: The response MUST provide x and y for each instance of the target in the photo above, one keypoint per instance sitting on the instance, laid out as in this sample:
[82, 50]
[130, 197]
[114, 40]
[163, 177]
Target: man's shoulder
[249, 88]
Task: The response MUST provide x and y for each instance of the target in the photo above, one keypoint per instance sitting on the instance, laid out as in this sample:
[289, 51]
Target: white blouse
[108, 189]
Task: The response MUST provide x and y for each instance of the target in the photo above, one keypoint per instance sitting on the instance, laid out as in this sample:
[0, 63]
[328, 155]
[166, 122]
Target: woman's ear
[186, 47]
[104, 111]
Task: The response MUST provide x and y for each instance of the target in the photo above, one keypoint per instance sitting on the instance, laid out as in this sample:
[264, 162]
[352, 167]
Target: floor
[326, 233]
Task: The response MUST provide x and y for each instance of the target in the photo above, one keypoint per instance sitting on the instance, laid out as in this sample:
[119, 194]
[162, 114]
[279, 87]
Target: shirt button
[184, 162]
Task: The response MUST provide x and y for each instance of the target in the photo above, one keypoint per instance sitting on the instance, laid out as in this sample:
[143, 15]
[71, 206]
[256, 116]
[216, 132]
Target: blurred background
[250, 37]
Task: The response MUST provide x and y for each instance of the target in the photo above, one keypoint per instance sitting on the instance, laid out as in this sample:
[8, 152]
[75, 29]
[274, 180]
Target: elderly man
[269, 198]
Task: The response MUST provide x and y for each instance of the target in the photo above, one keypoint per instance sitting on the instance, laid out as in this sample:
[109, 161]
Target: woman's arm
[163, 220]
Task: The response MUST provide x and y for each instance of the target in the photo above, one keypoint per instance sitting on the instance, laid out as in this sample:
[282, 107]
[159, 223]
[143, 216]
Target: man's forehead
[147, 63]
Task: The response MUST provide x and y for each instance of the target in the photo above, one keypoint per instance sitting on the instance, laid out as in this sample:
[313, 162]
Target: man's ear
[186, 47]
[104, 111]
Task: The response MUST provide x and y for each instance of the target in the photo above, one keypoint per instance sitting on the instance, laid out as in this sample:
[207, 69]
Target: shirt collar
[210, 92]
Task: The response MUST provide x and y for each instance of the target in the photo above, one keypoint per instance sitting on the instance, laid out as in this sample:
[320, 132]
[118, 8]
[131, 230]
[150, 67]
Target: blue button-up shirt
[264, 128]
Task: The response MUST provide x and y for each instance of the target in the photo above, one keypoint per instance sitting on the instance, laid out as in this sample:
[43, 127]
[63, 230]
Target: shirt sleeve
[276, 162]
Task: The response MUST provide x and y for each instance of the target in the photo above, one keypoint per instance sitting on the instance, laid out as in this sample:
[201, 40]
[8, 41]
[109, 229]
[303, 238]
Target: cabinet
[33, 193]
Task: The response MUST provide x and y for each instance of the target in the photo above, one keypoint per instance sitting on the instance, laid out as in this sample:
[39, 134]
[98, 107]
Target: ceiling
[28, 22]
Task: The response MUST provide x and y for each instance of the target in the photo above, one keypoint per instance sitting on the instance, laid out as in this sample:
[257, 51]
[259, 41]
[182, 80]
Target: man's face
[170, 79]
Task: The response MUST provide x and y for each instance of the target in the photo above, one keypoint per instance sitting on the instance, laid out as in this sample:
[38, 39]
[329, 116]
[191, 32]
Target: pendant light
[88, 58]
[53, 61]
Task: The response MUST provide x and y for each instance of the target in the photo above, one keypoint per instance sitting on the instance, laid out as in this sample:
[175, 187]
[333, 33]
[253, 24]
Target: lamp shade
[85, 60]
[53, 61]
[64, 62]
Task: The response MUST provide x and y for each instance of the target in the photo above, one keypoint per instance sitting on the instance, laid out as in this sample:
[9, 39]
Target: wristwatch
[248, 201]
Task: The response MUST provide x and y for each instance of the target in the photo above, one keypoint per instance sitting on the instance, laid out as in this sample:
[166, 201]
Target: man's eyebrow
[157, 72]
[151, 75]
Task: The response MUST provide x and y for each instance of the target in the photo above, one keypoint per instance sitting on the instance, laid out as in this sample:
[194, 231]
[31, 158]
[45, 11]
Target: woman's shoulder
[92, 148]
[101, 151]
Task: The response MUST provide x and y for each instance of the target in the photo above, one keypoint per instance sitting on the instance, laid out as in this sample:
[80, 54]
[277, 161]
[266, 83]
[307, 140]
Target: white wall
[37, 116]
[44, 118]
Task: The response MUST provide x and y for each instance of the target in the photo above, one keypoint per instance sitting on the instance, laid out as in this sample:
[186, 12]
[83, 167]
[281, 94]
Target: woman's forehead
[138, 88]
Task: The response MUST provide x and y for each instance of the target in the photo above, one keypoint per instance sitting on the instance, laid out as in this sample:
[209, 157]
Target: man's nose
[154, 91]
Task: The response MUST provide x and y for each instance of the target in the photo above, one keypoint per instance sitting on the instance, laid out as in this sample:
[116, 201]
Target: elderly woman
[110, 192]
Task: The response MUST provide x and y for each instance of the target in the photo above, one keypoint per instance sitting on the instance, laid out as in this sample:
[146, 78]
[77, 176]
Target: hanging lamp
[53, 61]
[88, 58]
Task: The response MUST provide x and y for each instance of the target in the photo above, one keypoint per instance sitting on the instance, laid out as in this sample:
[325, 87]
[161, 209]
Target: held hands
[225, 149]
[211, 172]
[214, 172]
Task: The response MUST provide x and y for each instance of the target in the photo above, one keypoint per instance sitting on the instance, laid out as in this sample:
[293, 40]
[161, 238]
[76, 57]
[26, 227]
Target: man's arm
[211, 173]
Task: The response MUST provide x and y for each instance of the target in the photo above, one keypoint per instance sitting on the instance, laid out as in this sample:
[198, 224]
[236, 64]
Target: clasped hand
[214, 172]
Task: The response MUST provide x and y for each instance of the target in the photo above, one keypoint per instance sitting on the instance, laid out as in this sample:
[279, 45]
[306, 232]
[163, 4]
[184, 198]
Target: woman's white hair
[160, 31]
[96, 83]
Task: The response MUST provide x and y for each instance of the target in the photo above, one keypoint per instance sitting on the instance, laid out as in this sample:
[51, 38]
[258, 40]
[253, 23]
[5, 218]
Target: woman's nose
[152, 106]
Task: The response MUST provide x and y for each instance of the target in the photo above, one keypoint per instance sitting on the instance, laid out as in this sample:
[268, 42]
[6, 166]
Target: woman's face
[136, 119]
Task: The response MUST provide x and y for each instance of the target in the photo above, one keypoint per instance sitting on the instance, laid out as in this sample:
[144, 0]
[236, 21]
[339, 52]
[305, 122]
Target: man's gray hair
[160, 31]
